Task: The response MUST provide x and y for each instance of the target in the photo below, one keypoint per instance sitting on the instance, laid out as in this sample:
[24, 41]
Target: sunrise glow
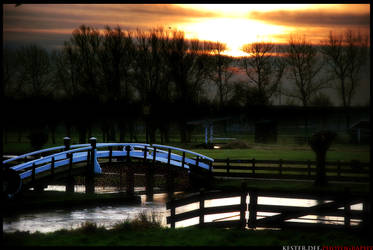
[233, 24]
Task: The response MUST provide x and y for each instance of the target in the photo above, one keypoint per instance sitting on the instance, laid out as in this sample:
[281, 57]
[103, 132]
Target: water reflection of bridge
[89, 160]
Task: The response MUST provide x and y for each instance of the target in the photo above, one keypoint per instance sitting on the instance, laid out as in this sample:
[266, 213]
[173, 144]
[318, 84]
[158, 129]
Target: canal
[107, 216]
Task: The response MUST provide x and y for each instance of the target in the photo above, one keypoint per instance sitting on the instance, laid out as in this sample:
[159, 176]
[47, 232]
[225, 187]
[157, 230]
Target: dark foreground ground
[148, 234]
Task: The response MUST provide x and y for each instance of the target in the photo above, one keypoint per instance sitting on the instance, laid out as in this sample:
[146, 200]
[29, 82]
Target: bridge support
[130, 175]
[70, 181]
[170, 184]
[70, 184]
[149, 185]
[89, 177]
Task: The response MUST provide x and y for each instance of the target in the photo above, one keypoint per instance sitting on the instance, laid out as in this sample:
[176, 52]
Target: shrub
[38, 138]
[236, 144]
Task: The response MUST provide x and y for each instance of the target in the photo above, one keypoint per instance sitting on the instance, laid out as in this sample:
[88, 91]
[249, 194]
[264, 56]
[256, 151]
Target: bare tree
[82, 51]
[34, 70]
[221, 72]
[189, 68]
[346, 54]
[304, 66]
[153, 79]
[116, 56]
[264, 69]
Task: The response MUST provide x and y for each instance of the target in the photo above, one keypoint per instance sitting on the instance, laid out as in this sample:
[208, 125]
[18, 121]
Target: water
[108, 216]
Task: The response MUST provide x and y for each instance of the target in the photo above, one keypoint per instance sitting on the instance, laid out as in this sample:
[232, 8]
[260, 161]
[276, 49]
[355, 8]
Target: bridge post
[70, 182]
[130, 177]
[149, 187]
[170, 176]
[89, 176]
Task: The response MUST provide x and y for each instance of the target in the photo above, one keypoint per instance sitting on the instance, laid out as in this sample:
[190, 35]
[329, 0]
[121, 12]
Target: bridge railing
[137, 150]
[40, 152]
[198, 160]
[52, 161]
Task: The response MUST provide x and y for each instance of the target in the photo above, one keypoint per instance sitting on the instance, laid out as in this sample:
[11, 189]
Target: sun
[234, 32]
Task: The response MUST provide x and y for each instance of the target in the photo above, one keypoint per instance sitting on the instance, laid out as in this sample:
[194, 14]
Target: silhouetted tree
[83, 51]
[152, 78]
[9, 72]
[346, 54]
[221, 71]
[264, 69]
[321, 100]
[34, 71]
[189, 70]
[303, 65]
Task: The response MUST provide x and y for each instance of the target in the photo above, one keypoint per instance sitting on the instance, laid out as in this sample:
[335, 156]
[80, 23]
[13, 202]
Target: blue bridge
[28, 170]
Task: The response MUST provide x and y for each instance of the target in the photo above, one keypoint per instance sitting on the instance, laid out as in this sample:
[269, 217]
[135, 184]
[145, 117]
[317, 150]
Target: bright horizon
[233, 24]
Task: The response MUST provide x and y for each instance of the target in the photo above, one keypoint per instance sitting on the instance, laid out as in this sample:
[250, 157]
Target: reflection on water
[108, 216]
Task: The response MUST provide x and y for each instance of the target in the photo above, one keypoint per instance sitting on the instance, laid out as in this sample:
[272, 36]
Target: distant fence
[339, 206]
[283, 169]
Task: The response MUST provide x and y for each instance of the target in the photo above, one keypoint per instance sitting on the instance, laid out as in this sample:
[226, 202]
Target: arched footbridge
[85, 159]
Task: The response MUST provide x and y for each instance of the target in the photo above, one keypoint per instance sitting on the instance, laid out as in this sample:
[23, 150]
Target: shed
[266, 131]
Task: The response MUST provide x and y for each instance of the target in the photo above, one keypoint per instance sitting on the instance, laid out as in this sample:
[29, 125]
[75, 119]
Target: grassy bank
[140, 233]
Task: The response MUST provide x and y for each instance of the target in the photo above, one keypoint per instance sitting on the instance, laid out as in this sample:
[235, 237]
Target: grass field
[284, 149]
[144, 233]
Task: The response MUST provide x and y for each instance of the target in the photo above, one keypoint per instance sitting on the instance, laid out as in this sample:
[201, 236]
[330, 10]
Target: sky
[49, 25]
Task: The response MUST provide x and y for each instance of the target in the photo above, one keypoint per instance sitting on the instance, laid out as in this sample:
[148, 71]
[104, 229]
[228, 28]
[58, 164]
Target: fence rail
[285, 169]
[333, 204]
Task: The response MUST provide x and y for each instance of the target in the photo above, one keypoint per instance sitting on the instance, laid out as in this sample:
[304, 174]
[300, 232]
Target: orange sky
[234, 24]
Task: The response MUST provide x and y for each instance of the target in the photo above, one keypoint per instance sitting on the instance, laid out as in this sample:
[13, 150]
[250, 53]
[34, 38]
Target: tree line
[160, 77]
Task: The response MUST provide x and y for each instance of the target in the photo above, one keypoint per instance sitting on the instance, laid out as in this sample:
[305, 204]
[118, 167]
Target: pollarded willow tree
[264, 69]
[346, 54]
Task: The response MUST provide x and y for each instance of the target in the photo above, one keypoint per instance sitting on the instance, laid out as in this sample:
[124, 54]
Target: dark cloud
[312, 18]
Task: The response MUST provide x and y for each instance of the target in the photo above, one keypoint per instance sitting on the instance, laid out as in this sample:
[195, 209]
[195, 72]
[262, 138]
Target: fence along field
[283, 169]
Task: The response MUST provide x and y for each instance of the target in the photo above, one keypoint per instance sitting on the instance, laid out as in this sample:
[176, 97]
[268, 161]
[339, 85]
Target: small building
[266, 131]
[360, 132]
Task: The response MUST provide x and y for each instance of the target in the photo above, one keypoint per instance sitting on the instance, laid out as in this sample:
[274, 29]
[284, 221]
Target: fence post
[253, 165]
[172, 213]
[243, 205]
[347, 209]
[309, 167]
[253, 206]
[366, 214]
[280, 166]
[130, 176]
[89, 178]
[339, 168]
[201, 207]
[228, 166]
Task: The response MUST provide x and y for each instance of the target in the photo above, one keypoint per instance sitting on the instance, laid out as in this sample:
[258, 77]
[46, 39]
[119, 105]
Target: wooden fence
[339, 206]
[283, 169]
